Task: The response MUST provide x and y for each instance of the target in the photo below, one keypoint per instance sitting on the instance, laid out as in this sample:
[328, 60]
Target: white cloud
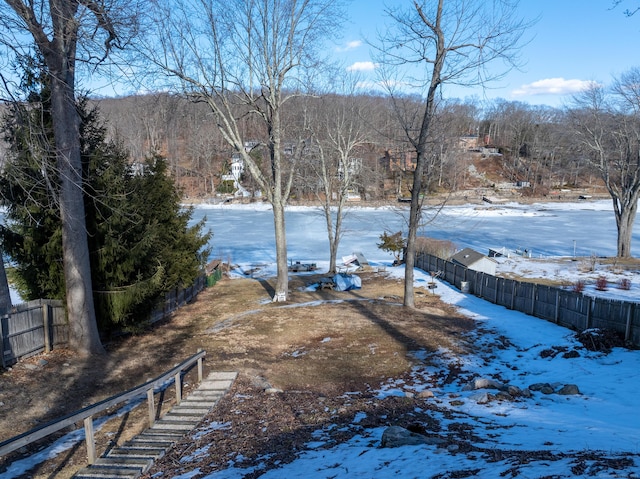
[352, 45]
[368, 85]
[362, 67]
[553, 86]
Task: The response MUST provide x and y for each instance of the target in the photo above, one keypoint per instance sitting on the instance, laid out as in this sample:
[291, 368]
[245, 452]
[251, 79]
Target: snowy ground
[593, 434]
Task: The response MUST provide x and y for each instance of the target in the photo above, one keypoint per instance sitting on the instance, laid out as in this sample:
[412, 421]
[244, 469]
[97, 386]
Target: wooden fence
[566, 308]
[31, 328]
[41, 325]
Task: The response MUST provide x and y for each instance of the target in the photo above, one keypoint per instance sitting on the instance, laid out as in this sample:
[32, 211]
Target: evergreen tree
[140, 241]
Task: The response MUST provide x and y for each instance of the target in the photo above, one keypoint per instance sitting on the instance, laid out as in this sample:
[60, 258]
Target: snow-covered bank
[592, 434]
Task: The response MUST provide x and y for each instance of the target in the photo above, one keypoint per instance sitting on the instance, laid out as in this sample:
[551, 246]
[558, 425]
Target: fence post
[588, 318]
[534, 290]
[556, 316]
[200, 368]
[46, 324]
[151, 407]
[2, 361]
[90, 439]
[178, 382]
[627, 329]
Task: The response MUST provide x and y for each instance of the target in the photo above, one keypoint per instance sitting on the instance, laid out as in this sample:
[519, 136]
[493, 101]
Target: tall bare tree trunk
[282, 279]
[454, 40]
[625, 217]
[75, 248]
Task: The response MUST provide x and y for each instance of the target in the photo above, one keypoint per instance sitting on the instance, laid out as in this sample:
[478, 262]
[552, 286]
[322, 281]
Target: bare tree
[246, 59]
[340, 132]
[68, 34]
[607, 127]
[444, 42]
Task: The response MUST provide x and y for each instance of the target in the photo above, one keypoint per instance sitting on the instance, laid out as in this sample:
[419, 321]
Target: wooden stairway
[136, 456]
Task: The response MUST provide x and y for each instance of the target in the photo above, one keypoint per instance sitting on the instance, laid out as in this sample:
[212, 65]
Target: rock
[260, 383]
[514, 391]
[273, 390]
[30, 367]
[571, 354]
[481, 398]
[43, 362]
[569, 390]
[453, 448]
[538, 386]
[548, 353]
[396, 436]
[426, 394]
[484, 383]
[547, 389]
[526, 393]
[504, 396]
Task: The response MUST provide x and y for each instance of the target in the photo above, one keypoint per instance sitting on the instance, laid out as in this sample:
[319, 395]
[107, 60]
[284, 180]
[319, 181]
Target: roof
[468, 256]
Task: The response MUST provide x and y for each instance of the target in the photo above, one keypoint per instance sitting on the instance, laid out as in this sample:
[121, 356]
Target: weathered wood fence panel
[573, 311]
[32, 328]
[525, 297]
[546, 302]
[566, 308]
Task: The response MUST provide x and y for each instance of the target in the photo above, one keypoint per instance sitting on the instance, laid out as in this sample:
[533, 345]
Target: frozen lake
[244, 233]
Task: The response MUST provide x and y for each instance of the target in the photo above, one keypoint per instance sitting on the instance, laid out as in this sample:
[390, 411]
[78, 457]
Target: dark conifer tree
[140, 240]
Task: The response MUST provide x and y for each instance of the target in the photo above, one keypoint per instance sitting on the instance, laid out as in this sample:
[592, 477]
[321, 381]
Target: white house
[236, 171]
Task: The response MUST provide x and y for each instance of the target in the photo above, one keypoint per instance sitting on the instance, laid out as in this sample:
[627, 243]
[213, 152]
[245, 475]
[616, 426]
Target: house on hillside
[236, 171]
[471, 259]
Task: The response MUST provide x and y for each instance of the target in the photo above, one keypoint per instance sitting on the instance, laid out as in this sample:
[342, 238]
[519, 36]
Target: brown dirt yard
[316, 348]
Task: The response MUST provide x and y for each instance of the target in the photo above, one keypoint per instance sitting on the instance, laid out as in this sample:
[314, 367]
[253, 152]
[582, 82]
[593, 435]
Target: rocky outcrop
[507, 392]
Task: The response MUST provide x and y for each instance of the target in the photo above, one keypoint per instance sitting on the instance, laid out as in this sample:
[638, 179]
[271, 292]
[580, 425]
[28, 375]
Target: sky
[598, 429]
[572, 43]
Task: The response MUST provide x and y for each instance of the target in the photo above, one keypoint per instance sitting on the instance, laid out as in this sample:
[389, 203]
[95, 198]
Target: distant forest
[501, 145]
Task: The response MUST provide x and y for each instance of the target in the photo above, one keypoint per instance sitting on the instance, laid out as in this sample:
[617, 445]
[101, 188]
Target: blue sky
[574, 42]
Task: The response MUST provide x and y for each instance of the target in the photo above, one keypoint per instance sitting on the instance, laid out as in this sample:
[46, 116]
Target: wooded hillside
[505, 149]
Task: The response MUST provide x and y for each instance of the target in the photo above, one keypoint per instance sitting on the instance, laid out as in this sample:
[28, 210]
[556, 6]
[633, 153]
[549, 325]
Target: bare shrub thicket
[441, 248]
[602, 284]
[578, 286]
[624, 284]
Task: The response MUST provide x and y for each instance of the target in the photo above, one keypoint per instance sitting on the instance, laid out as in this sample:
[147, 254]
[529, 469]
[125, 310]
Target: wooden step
[136, 456]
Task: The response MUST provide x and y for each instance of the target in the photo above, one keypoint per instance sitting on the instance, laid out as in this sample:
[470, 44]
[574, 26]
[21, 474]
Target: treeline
[473, 145]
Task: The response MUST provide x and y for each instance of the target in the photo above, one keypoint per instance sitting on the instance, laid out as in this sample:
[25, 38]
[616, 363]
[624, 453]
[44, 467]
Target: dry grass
[322, 343]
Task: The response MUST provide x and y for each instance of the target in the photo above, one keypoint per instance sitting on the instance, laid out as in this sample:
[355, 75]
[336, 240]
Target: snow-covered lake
[244, 233]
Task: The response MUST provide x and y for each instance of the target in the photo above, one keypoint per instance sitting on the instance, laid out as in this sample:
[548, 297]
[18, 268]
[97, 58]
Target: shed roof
[468, 256]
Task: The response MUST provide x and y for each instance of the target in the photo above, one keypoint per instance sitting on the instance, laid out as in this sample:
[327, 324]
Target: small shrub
[392, 243]
[602, 284]
[625, 284]
[578, 286]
